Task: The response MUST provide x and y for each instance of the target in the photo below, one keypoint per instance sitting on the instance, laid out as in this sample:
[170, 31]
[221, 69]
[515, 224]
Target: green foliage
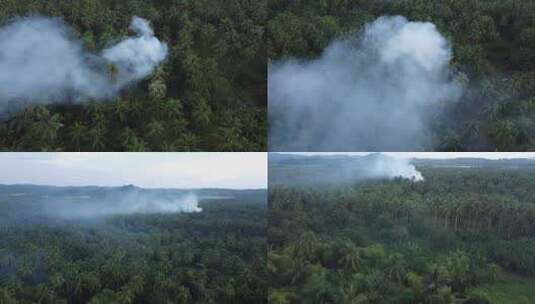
[215, 256]
[493, 58]
[510, 289]
[216, 69]
[453, 236]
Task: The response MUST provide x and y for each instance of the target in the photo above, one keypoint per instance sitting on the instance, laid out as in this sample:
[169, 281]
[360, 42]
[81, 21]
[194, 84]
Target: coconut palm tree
[351, 259]
[78, 133]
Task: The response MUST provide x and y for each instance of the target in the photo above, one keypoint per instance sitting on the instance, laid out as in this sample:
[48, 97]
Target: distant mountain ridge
[120, 190]
[294, 169]
[282, 158]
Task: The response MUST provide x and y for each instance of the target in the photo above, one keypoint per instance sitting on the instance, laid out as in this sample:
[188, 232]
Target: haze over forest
[129, 75]
[401, 75]
[376, 228]
[195, 234]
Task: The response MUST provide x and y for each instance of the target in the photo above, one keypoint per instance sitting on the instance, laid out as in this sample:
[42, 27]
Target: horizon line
[353, 154]
[126, 185]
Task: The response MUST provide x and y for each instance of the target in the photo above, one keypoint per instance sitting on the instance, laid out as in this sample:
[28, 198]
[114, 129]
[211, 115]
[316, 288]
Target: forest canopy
[52, 253]
[492, 57]
[463, 234]
[209, 94]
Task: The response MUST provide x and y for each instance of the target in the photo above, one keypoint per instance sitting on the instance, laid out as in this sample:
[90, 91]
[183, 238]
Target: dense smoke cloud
[374, 93]
[389, 167]
[42, 61]
[376, 166]
[136, 57]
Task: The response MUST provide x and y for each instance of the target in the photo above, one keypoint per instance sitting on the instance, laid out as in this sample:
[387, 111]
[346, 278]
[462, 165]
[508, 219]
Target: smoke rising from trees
[389, 167]
[320, 169]
[130, 203]
[42, 61]
[43, 203]
[374, 93]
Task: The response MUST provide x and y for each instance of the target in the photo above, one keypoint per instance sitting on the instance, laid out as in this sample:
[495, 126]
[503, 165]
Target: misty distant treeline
[335, 170]
[214, 256]
[462, 235]
[492, 60]
[208, 94]
[297, 170]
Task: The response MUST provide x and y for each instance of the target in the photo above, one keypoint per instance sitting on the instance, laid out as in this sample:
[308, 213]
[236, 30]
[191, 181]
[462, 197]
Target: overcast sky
[435, 155]
[148, 170]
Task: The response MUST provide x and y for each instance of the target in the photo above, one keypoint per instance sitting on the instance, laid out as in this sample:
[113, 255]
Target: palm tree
[504, 133]
[173, 109]
[277, 297]
[97, 136]
[155, 130]
[78, 131]
[121, 109]
[26, 268]
[493, 110]
[229, 291]
[137, 284]
[397, 268]
[132, 142]
[57, 280]
[45, 294]
[124, 296]
[157, 89]
[183, 296]
[350, 292]
[51, 127]
[306, 246]
[351, 259]
[202, 114]
[232, 140]
[458, 265]
[188, 142]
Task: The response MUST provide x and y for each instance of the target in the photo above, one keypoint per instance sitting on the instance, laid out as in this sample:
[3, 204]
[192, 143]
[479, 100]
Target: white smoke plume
[136, 57]
[133, 203]
[389, 167]
[374, 93]
[324, 169]
[98, 207]
[42, 61]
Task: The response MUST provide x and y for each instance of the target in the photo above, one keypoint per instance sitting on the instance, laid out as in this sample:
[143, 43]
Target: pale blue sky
[149, 170]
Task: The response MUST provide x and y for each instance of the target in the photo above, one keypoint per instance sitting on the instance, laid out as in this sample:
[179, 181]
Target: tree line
[399, 241]
[215, 256]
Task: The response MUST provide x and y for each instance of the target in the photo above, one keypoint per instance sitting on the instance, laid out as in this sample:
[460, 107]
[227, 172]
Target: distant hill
[99, 191]
[293, 169]
[477, 162]
[296, 159]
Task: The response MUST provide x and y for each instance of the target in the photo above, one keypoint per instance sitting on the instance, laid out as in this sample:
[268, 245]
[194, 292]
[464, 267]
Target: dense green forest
[208, 95]
[214, 256]
[493, 44]
[463, 235]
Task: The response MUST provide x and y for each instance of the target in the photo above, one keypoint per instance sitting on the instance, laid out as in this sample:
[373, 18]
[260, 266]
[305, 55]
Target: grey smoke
[375, 92]
[389, 168]
[377, 166]
[42, 61]
[288, 170]
[86, 207]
